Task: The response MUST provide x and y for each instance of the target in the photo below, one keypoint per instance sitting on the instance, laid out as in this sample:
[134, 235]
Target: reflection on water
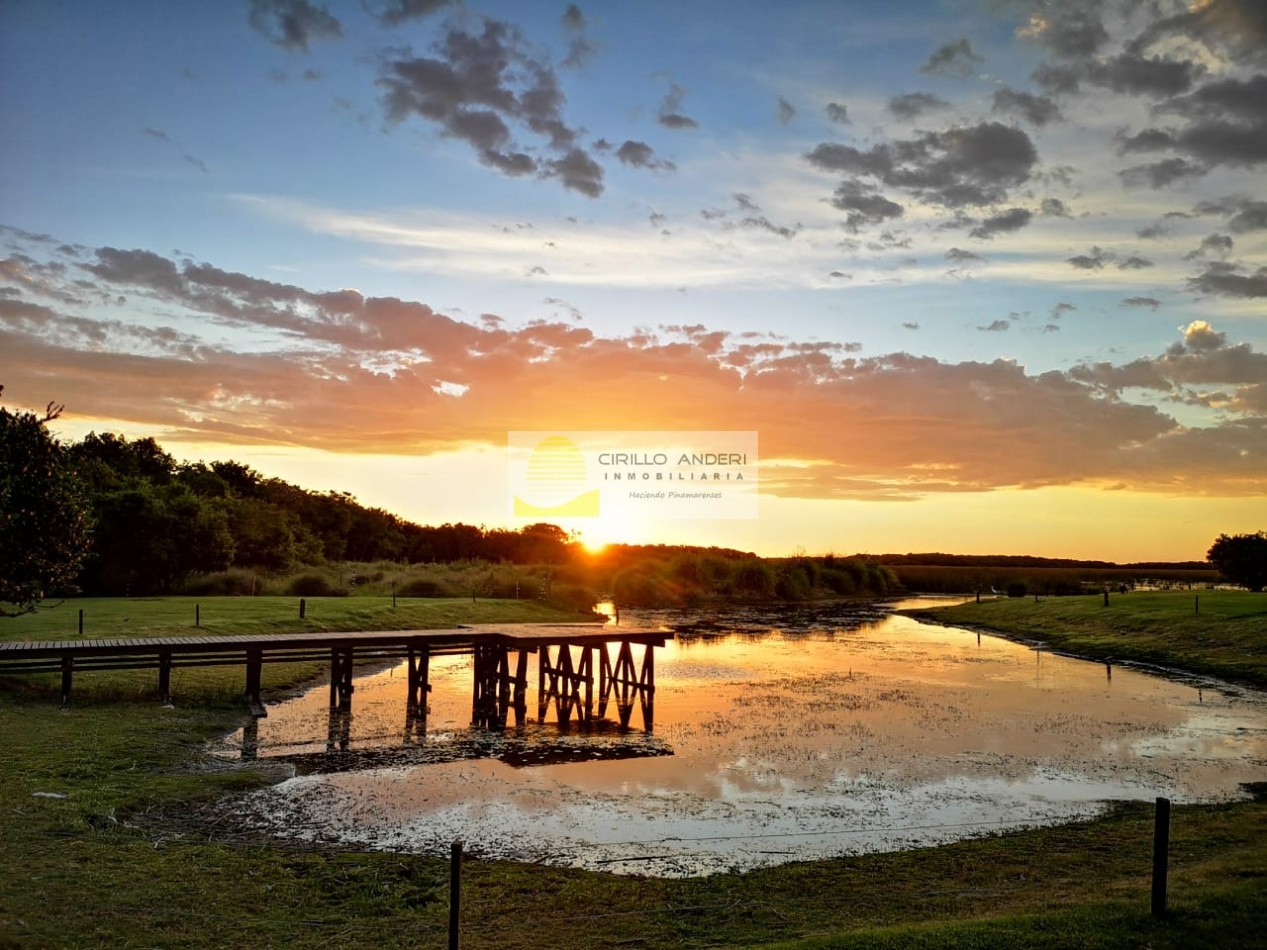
[780, 734]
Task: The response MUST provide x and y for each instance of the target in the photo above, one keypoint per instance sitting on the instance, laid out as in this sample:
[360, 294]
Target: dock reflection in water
[793, 735]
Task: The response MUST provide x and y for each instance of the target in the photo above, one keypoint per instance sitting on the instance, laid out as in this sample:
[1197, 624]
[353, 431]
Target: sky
[983, 277]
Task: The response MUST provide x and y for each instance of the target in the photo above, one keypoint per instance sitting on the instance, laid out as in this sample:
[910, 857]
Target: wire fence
[487, 918]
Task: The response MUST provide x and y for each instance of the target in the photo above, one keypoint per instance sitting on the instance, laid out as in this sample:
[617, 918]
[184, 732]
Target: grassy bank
[1225, 637]
[94, 867]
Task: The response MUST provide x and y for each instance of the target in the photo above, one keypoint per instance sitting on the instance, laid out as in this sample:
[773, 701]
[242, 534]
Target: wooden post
[303, 606]
[197, 615]
[68, 672]
[393, 595]
[165, 676]
[81, 621]
[1196, 603]
[455, 892]
[1106, 597]
[1161, 854]
[978, 597]
[254, 665]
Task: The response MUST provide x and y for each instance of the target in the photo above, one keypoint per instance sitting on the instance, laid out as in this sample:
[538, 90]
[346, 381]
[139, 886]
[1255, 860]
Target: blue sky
[1005, 250]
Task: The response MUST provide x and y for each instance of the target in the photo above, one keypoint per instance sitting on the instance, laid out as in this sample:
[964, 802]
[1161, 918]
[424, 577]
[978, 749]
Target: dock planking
[497, 689]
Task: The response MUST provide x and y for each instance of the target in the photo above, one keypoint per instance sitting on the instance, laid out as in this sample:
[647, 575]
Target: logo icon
[557, 483]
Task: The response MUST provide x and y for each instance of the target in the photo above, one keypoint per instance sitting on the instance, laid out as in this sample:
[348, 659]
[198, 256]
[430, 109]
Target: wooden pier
[500, 654]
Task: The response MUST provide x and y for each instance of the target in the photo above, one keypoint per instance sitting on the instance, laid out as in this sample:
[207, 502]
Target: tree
[1241, 558]
[44, 527]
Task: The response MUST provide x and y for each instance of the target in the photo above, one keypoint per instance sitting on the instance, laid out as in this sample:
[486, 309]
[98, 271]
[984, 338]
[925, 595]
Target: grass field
[1222, 633]
[116, 859]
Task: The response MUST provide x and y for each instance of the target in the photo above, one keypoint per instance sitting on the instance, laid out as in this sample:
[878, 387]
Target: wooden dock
[573, 659]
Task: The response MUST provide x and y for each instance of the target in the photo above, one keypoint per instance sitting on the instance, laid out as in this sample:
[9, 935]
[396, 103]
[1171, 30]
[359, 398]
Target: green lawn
[117, 861]
[1226, 638]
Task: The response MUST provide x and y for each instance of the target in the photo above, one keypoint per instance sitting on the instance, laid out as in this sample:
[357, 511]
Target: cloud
[197, 163]
[1134, 262]
[580, 47]
[786, 111]
[1199, 336]
[955, 58]
[910, 325]
[998, 326]
[1036, 110]
[156, 134]
[1151, 303]
[1145, 76]
[1060, 309]
[671, 116]
[1093, 261]
[960, 256]
[1224, 281]
[338, 370]
[863, 206]
[958, 167]
[641, 155]
[293, 24]
[393, 13]
[1013, 219]
[480, 84]
[1055, 208]
[912, 105]
[838, 113]
[1072, 30]
[1160, 174]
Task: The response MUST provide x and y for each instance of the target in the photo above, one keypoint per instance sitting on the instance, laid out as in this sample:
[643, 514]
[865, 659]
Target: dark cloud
[968, 166]
[960, 256]
[1236, 28]
[1036, 110]
[1055, 208]
[1057, 80]
[1160, 174]
[786, 111]
[198, 164]
[1145, 75]
[395, 12]
[952, 59]
[1244, 98]
[1134, 263]
[156, 134]
[1220, 245]
[1151, 303]
[863, 206]
[1070, 29]
[745, 202]
[1060, 309]
[1093, 261]
[1152, 232]
[578, 172]
[1013, 219]
[580, 47]
[911, 325]
[478, 85]
[838, 113]
[1226, 282]
[671, 116]
[912, 105]
[1251, 217]
[1149, 140]
[641, 155]
[293, 24]
[761, 223]
[998, 326]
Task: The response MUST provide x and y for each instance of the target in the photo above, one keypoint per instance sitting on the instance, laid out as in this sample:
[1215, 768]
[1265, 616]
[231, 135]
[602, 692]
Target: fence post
[1161, 854]
[455, 891]
[303, 606]
[197, 615]
[393, 595]
[1196, 603]
[81, 621]
[1106, 597]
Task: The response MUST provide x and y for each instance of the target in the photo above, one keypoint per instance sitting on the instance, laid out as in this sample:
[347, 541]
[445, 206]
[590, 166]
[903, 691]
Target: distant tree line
[158, 522]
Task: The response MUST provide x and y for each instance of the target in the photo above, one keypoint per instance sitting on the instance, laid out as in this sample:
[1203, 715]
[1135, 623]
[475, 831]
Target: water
[783, 734]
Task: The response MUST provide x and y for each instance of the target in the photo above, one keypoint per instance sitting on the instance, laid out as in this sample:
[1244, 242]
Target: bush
[421, 587]
[312, 584]
[235, 582]
[1017, 589]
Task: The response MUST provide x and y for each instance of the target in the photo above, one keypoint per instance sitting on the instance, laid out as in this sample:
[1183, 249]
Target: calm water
[780, 735]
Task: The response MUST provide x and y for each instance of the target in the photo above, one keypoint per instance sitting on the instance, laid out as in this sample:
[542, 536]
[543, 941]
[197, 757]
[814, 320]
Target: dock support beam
[341, 678]
[254, 666]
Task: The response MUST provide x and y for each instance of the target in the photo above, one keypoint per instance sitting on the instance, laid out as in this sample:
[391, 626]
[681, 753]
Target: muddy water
[779, 735]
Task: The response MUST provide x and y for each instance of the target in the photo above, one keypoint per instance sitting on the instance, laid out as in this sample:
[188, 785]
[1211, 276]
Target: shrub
[235, 582]
[313, 584]
[1017, 589]
[420, 587]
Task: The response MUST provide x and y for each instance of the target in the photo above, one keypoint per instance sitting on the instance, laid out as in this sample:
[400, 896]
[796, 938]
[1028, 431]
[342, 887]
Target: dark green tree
[44, 527]
[1241, 558]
